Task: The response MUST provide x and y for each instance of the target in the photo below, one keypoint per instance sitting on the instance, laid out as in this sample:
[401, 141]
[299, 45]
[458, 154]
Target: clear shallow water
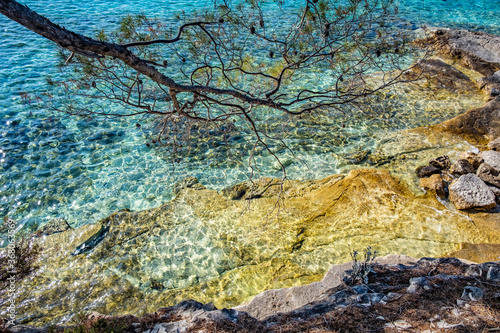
[53, 166]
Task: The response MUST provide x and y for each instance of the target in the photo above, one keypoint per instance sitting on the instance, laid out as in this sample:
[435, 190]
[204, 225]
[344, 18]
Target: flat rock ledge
[476, 50]
[401, 294]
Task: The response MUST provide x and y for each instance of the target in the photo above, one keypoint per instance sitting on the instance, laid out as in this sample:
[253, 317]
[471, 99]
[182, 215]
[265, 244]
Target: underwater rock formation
[201, 246]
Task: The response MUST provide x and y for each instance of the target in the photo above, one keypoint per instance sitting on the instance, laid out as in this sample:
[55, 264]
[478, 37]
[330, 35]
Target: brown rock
[494, 145]
[54, 226]
[188, 182]
[477, 126]
[442, 162]
[461, 167]
[434, 184]
[471, 192]
[439, 75]
[262, 187]
[489, 175]
[427, 171]
[235, 192]
[490, 84]
[476, 50]
[472, 157]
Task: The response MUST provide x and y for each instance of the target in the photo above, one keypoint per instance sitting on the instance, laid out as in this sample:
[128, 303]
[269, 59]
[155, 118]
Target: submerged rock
[434, 183]
[478, 126]
[204, 246]
[52, 227]
[188, 182]
[471, 192]
[491, 84]
[440, 75]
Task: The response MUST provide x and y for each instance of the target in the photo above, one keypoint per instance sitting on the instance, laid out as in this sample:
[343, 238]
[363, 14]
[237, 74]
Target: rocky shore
[127, 264]
[398, 294]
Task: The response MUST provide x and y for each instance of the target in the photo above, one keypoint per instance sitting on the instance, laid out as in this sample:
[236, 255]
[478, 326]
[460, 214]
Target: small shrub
[361, 269]
[26, 254]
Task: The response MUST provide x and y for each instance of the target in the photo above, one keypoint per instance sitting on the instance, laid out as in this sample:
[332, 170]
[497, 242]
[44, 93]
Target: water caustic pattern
[200, 246]
[54, 166]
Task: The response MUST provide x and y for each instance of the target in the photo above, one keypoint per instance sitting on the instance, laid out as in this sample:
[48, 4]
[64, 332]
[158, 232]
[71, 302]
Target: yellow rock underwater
[205, 246]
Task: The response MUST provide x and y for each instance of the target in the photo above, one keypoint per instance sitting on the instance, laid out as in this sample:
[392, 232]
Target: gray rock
[492, 158]
[489, 175]
[418, 285]
[477, 50]
[493, 274]
[490, 84]
[474, 271]
[390, 297]
[494, 145]
[172, 327]
[222, 315]
[427, 171]
[54, 226]
[370, 298]
[462, 167]
[471, 192]
[442, 162]
[472, 293]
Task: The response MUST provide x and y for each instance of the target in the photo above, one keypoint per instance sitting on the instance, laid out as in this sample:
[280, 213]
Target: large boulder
[471, 192]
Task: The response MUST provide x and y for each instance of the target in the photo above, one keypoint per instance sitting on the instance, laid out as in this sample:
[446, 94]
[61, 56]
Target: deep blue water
[55, 166]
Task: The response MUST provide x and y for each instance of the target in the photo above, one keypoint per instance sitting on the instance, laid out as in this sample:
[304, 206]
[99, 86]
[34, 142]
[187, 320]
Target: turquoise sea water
[54, 166]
